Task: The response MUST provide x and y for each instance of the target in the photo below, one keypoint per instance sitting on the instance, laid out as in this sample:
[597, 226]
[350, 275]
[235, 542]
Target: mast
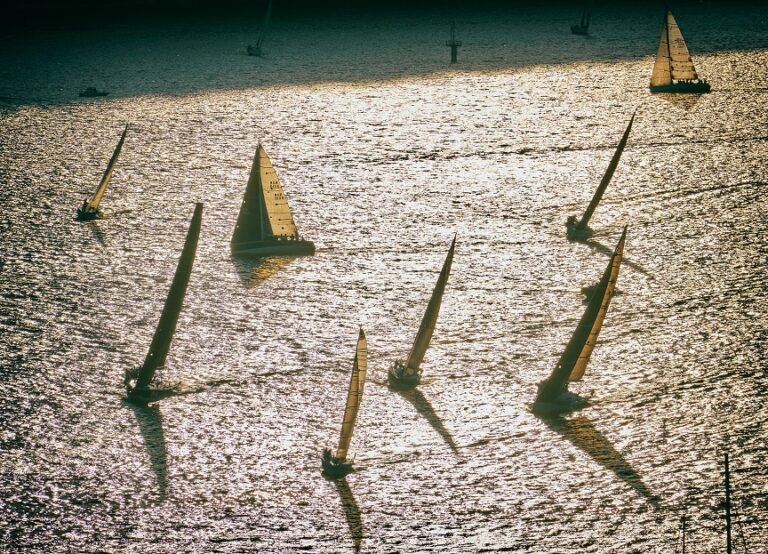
[263, 35]
[354, 396]
[573, 361]
[93, 203]
[584, 221]
[728, 545]
[453, 43]
[428, 322]
[161, 341]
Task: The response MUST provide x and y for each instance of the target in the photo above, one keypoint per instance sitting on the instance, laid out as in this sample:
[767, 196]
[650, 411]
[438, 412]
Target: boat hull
[697, 87]
[143, 397]
[566, 402]
[579, 30]
[84, 215]
[574, 232]
[335, 468]
[399, 380]
[275, 248]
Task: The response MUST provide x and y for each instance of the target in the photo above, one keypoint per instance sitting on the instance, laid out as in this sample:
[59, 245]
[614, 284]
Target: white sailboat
[256, 50]
[408, 374]
[578, 229]
[673, 70]
[90, 208]
[140, 384]
[337, 465]
[265, 225]
[553, 395]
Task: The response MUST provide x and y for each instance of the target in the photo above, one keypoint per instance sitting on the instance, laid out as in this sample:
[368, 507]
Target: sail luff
[250, 221]
[161, 341]
[560, 376]
[581, 363]
[429, 320]
[681, 65]
[584, 221]
[278, 218]
[662, 69]
[268, 15]
[93, 203]
[354, 396]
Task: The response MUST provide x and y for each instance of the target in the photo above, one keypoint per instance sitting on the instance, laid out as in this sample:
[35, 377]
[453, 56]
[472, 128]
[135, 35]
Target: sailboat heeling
[161, 341]
[606, 177]
[573, 350]
[354, 396]
[662, 70]
[94, 202]
[581, 363]
[275, 201]
[250, 224]
[680, 58]
[428, 322]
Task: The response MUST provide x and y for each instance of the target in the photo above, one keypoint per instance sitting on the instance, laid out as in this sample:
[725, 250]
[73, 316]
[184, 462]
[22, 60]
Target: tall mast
[728, 546]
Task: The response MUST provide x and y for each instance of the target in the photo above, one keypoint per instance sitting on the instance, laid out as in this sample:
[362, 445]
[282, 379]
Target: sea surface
[386, 151]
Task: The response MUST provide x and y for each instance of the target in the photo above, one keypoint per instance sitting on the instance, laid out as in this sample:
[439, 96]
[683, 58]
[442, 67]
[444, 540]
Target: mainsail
[161, 342]
[673, 61]
[428, 322]
[584, 221]
[354, 396]
[574, 359]
[264, 212]
[263, 34]
[95, 200]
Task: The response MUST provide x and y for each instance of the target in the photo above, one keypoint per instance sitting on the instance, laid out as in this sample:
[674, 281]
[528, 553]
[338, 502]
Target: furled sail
[673, 61]
[574, 359]
[354, 396]
[264, 212]
[428, 322]
[93, 203]
[584, 221]
[161, 341]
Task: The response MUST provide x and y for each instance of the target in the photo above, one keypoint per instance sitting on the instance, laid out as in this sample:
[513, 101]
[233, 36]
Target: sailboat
[408, 375]
[338, 466]
[90, 208]
[578, 229]
[256, 50]
[553, 395]
[673, 70]
[265, 226]
[582, 27]
[140, 385]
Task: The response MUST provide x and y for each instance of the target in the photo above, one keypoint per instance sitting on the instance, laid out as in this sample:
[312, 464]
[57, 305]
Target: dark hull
[90, 94]
[574, 232]
[274, 248]
[86, 215]
[253, 50]
[579, 30]
[336, 469]
[699, 87]
[565, 403]
[401, 381]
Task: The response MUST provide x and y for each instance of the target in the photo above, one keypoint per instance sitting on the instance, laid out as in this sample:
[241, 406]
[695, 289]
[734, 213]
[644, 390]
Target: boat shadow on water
[425, 409]
[97, 231]
[685, 102]
[150, 422]
[582, 433]
[351, 511]
[255, 270]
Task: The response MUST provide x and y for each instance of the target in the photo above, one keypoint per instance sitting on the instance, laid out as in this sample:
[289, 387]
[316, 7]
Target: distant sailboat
[338, 466]
[256, 50]
[139, 384]
[673, 70]
[265, 226]
[553, 395]
[408, 374]
[582, 27]
[579, 229]
[90, 208]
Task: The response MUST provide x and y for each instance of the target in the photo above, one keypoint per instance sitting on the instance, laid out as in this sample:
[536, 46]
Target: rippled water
[385, 152]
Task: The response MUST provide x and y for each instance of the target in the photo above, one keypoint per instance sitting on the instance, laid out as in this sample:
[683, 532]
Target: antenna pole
[728, 546]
